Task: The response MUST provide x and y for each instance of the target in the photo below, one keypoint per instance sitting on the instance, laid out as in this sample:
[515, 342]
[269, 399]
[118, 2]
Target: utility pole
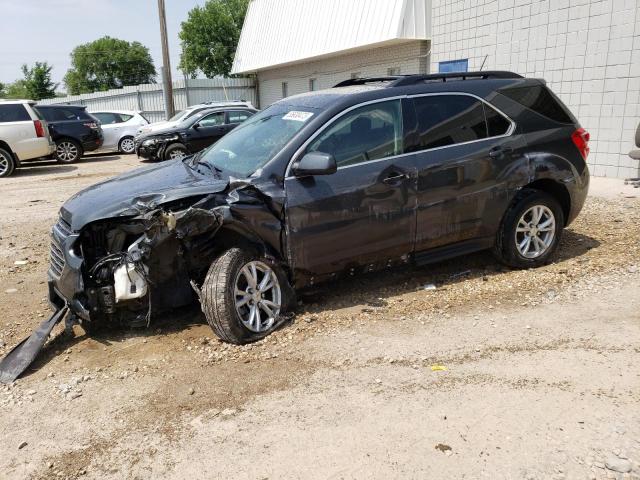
[167, 85]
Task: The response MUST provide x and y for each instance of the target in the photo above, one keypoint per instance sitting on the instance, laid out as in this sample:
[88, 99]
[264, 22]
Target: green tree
[3, 91]
[16, 89]
[210, 35]
[37, 81]
[108, 63]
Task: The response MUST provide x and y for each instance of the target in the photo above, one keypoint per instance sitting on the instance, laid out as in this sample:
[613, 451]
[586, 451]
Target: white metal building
[587, 50]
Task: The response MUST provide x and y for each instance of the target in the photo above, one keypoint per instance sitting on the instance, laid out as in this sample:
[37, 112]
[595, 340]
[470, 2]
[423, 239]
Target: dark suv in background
[73, 129]
[374, 173]
[191, 135]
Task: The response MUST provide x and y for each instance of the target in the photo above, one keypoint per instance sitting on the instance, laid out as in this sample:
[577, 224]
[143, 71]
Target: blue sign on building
[454, 66]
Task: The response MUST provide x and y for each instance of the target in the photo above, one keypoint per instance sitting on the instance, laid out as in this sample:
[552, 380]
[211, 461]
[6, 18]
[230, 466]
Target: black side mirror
[196, 126]
[315, 163]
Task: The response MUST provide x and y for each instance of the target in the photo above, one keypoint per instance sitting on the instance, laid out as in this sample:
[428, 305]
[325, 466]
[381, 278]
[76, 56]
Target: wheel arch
[557, 190]
[5, 146]
[162, 152]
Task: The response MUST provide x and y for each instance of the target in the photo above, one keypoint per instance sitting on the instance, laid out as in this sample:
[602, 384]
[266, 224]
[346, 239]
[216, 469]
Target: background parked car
[73, 130]
[192, 110]
[23, 135]
[119, 128]
[198, 131]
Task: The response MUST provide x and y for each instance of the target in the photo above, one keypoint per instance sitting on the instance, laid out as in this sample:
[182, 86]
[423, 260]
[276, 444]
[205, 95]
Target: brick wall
[407, 57]
[587, 50]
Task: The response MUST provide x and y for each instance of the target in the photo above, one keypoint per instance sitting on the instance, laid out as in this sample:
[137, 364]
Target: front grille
[59, 234]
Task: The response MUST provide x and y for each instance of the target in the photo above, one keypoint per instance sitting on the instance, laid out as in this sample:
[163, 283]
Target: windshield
[176, 116]
[256, 141]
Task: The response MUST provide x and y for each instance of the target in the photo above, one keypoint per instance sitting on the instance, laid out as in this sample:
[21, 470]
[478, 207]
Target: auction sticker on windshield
[298, 116]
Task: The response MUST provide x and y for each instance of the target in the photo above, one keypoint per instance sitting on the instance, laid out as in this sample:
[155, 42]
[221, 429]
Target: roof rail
[362, 81]
[413, 79]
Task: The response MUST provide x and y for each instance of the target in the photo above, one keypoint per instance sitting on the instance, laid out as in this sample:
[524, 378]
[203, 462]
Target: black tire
[218, 299]
[68, 151]
[506, 246]
[7, 163]
[122, 149]
[175, 149]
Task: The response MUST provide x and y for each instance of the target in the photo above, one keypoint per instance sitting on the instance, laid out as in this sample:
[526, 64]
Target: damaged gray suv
[372, 173]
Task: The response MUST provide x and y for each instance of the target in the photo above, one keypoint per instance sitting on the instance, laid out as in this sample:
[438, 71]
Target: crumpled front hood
[167, 130]
[154, 127]
[138, 191]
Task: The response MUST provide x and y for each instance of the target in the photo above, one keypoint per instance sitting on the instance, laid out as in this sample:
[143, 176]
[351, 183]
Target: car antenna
[482, 66]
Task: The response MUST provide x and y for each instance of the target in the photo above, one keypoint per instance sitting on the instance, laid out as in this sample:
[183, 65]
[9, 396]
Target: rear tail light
[39, 128]
[581, 140]
[93, 125]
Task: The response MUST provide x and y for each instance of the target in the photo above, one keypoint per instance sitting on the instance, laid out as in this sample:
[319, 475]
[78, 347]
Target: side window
[124, 117]
[47, 113]
[13, 113]
[367, 133]
[496, 123]
[238, 116]
[539, 99]
[212, 120]
[449, 119]
[106, 118]
[64, 114]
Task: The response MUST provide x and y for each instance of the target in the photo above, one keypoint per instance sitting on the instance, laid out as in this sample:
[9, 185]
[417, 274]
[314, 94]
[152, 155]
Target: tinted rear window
[539, 99]
[496, 124]
[449, 119]
[58, 114]
[13, 113]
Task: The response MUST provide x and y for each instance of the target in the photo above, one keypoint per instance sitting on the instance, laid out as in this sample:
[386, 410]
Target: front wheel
[243, 296]
[531, 230]
[68, 151]
[175, 151]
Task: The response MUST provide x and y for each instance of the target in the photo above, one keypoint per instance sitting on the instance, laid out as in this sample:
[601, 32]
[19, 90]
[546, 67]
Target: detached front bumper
[66, 284]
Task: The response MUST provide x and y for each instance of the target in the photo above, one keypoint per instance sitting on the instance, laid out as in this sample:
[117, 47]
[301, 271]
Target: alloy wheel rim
[535, 231]
[4, 164]
[127, 145]
[176, 154]
[257, 296]
[66, 151]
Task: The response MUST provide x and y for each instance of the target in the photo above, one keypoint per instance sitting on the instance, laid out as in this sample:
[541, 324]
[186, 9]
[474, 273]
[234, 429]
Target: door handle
[395, 177]
[498, 152]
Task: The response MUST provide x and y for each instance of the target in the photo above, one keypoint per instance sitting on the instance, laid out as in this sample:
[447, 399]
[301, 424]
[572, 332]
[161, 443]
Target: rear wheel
[68, 151]
[126, 145]
[531, 230]
[7, 164]
[175, 151]
[243, 296]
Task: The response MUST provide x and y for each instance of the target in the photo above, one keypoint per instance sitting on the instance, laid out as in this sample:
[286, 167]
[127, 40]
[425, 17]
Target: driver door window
[370, 132]
[212, 120]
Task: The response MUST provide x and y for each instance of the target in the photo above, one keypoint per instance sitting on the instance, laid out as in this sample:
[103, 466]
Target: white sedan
[119, 128]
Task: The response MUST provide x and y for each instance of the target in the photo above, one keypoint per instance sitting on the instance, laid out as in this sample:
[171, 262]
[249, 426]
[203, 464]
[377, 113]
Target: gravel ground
[495, 373]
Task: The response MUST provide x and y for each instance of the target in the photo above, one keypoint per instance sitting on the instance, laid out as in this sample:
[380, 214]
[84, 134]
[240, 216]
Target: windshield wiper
[216, 170]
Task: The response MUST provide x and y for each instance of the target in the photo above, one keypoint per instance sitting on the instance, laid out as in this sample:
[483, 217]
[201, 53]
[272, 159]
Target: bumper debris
[23, 354]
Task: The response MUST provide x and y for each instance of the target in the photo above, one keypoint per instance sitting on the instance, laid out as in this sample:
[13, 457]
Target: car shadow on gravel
[369, 288]
[365, 289]
[44, 167]
[101, 157]
[171, 322]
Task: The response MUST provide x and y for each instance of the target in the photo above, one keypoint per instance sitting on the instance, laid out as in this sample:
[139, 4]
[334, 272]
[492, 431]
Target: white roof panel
[279, 32]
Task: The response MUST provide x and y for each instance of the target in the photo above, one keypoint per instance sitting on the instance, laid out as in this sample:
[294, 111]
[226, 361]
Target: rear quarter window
[541, 100]
[14, 113]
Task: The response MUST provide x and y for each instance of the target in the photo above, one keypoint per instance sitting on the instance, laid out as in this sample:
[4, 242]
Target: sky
[47, 30]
